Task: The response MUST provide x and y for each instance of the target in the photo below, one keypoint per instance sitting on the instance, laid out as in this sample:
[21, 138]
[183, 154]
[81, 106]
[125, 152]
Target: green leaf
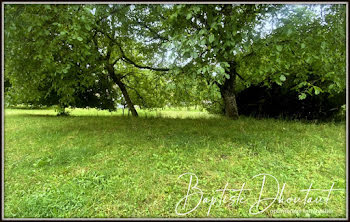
[87, 27]
[282, 78]
[221, 70]
[196, 9]
[308, 59]
[317, 90]
[302, 96]
[211, 38]
[279, 82]
[202, 31]
[214, 25]
[279, 48]
[80, 38]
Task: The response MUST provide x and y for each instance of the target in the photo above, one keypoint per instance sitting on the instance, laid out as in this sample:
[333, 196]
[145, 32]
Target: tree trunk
[61, 111]
[228, 93]
[229, 98]
[122, 87]
[129, 103]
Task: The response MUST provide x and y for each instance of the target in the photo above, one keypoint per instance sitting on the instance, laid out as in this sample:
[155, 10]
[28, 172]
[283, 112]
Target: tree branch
[127, 59]
[115, 61]
[240, 76]
[157, 35]
[129, 73]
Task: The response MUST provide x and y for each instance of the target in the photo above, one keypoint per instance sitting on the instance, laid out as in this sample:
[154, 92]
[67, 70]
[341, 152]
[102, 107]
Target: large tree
[260, 44]
[305, 51]
[76, 55]
[207, 39]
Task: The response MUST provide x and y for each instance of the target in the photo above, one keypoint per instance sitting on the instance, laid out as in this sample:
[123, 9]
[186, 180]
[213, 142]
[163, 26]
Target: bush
[277, 101]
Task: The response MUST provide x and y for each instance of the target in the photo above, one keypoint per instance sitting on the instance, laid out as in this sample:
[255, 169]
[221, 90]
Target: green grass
[100, 164]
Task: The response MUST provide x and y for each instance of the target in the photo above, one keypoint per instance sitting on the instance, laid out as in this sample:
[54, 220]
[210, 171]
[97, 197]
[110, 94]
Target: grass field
[97, 164]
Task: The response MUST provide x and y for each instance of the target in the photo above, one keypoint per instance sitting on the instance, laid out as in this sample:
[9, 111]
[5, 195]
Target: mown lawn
[97, 164]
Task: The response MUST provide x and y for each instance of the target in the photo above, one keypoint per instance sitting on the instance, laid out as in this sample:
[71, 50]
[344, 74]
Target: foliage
[290, 57]
[43, 55]
[205, 40]
[64, 53]
[207, 37]
[305, 53]
[157, 55]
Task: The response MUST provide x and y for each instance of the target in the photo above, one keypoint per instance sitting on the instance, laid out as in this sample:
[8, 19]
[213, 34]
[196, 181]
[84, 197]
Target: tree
[75, 55]
[305, 55]
[220, 43]
[305, 52]
[208, 39]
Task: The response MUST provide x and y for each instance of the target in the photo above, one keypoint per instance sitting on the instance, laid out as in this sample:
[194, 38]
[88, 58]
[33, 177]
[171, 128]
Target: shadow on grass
[114, 115]
[39, 115]
[76, 140]
[87, 136]
[162, 116]
[29, 108]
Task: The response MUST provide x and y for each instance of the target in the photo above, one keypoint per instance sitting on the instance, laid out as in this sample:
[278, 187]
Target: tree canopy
[155, 55]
